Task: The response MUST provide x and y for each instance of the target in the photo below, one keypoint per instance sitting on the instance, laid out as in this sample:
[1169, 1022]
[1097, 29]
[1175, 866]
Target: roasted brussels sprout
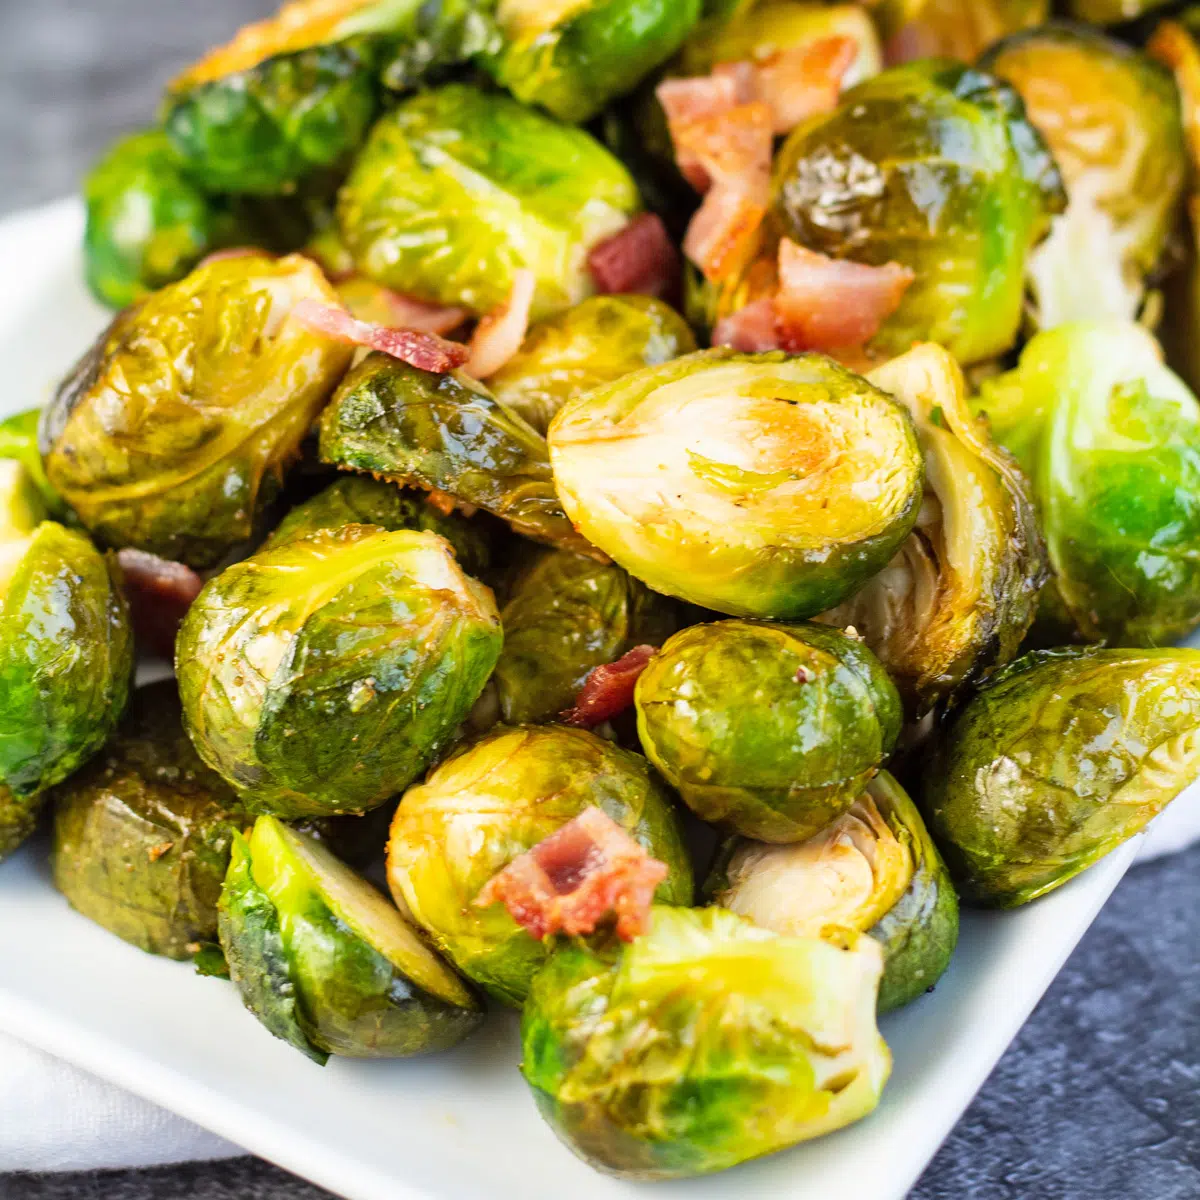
[174, 430]
[1058, 760]
[702, 1044]
[1111, 117]
[766, 29]
[594, 343]
[932, 165]
[325, 962]
[873, 870]
[148, 224]
[948, 28]
[458, 188]
[359, 500]
[296, 94]
[574, 56]
[961, 592]
[768, 485]
[322, 676]
[19, 442]
[769, 730]
[66, 655]
[1110, 439]
[142, 834]
[564, 615]
[447, 434]
[492, 801]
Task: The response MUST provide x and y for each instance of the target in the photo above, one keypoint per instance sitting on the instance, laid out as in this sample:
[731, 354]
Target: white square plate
[459, 1125]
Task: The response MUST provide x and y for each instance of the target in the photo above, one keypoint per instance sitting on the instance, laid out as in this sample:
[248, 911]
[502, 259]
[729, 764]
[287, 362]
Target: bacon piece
[159, 593]
[570, 881]
[804, 81]
[371, 302]
[608, 690]
[688, 100]
[499, 335]
[827, 303]
[234, 252]
[753, 328]
[426, 351]
[641, 259]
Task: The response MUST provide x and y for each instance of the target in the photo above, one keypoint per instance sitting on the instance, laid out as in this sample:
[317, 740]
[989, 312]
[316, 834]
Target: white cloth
[54, 1117]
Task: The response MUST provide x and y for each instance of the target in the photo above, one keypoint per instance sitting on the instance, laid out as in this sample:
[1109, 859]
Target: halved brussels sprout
[174, 430]
[594, 343]
[932, 165]
[325, 962]
[296, 93]
[704, 1043]
[765, 29]
[492, 801]
[1110, 439]
[771, 731]
[873, 870]
[66, 654]
[360, 500]
[951, 29]
[960, 594]
[1058, 760]
[768, 485]
[142, 834]
[19, 442]
[1111, 118]
[447, 434]
[148, 224]
[458, 188]
[322, 676]
[564, 615]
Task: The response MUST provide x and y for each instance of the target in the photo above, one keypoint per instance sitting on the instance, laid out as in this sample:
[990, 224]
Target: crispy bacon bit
[827, 303]
[753, 328]
[569, 882]
[804, 81]
[688, 100]
[500, 334]
[608, 690]
[159, 594]
[641, 258]
[369, 301]
[426, 351]
[234, 252]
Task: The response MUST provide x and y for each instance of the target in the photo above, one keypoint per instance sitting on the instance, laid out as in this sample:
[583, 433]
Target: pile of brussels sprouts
[832, 640]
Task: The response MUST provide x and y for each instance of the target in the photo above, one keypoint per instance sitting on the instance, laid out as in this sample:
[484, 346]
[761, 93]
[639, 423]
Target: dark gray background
[1097, 1099]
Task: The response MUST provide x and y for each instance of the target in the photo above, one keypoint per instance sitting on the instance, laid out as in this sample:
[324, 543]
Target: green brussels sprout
[492, 801]
[360, 500]
[325, 962]
[446, 434]
[768, 485]
[873, 870]
[142, 833]
[19, 442]
[564, 615]
[322, 676]
[572, 57]
[296, 94]
[1111, 117]
[932, 165]
[1110, 439]
[704, 1043]
[960, 594]
[18, 819]
[173, 432]
[766, 29]
[66, 655]
[148, 224]
[1063, 756]
[771, 731]
[915, 29]
[1112, 12]
[457, 189]
[594, 343]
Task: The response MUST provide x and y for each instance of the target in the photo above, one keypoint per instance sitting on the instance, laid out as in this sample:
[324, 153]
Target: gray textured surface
[1099, 1098]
